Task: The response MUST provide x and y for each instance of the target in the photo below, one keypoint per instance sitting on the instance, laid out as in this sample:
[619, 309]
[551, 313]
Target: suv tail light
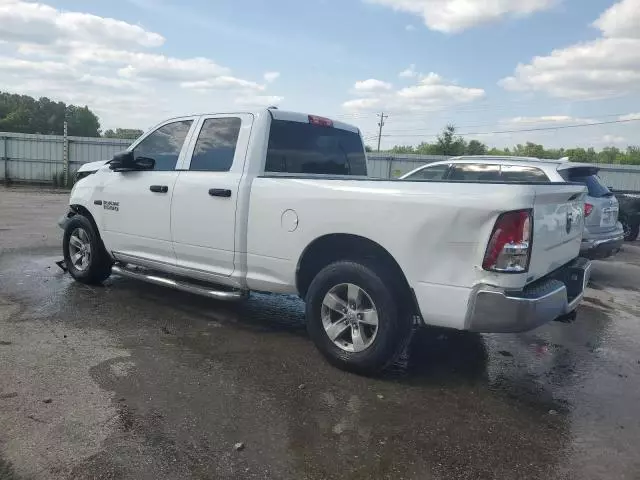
[509, 247]
[588, 208]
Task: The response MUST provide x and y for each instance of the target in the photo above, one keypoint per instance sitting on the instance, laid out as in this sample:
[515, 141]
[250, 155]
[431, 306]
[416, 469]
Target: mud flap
[63, 265]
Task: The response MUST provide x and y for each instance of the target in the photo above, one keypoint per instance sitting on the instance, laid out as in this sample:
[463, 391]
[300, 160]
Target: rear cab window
[314, 148]
[587, 176]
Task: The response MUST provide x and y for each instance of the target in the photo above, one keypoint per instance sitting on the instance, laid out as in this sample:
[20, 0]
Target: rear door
[203, 211]
[603, 213]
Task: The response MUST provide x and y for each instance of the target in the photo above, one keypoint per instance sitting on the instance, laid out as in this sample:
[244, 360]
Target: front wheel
[354, 319]
[85, 255]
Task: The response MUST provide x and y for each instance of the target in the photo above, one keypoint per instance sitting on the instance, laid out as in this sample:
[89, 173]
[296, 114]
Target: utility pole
[381, 124]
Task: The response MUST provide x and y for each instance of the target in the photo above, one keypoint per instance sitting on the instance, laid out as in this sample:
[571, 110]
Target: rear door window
[475, 172]
[304, 148]
[216, 145]
[588, 177]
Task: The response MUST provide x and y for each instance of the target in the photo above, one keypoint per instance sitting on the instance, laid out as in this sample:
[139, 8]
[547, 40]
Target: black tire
[394, 327]
[631, 230]
[99, 264]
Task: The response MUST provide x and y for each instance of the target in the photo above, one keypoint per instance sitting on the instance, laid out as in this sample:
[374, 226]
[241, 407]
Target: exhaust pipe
[225, 295]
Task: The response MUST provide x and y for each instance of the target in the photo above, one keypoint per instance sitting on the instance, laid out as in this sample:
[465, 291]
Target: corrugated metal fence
[41, 159]
[384, 165]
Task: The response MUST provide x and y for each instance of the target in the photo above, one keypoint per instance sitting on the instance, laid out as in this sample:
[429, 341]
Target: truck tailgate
[558, 223]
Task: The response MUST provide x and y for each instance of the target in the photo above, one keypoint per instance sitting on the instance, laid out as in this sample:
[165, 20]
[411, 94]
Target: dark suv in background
[629, 213]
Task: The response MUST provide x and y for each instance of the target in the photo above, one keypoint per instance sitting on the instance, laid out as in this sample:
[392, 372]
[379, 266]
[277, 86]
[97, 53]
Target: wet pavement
[135, 381]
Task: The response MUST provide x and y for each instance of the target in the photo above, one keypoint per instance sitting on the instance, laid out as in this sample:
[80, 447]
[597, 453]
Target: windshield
[297, 147]
[588, 177]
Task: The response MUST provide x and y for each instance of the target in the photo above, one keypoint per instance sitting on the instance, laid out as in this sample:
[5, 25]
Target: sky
[503, 71]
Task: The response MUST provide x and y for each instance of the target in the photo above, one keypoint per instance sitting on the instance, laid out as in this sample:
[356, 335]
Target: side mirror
[127, 162]
[122, 161]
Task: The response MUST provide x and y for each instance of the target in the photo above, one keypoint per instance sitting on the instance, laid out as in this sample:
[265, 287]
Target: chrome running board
[182, 285]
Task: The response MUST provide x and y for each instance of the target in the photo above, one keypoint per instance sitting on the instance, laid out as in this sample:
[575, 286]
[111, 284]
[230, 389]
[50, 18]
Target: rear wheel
[353, 318]
[85, 255]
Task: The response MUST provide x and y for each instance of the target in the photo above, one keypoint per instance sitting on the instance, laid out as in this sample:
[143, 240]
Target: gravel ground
[132, 381]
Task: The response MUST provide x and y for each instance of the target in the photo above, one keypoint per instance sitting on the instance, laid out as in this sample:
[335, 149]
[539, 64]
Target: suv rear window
[296, 147]
[588, 177]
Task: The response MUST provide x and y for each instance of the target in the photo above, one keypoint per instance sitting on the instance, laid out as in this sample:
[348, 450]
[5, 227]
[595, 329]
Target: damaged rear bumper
[552, 297]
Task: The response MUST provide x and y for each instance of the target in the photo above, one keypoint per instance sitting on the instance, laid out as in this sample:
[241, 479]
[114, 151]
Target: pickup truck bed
[280, 202]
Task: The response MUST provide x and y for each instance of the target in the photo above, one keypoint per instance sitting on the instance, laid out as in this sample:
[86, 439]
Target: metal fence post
[65, 157]
[5, 159]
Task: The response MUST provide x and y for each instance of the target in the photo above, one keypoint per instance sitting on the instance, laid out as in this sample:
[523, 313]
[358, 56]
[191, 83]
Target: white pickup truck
[277, 201]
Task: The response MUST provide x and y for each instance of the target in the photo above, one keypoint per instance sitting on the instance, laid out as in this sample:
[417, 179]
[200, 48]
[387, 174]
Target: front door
[203, 212]
[137, 205]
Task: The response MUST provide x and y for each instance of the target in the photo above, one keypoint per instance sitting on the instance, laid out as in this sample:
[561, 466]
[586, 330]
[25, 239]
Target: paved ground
[134, 381]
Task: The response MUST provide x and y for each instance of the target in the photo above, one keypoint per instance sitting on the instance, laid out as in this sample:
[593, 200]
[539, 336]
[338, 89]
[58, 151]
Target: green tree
[367, 148]
[25, 114]
[475, 147]
[82, 122]
[448, 143]
[402, 149]
[133, 133]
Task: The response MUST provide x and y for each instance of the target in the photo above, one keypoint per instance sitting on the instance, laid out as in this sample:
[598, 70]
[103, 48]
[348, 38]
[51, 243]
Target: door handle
[159, 188]
[220, 192]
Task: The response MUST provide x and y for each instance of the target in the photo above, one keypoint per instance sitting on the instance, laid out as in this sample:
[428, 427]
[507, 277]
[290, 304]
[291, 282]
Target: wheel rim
[626, 228]
[80, 249]
[349, 317]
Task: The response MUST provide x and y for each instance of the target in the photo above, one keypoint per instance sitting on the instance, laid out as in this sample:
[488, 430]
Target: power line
[496, 132]
[411, 130]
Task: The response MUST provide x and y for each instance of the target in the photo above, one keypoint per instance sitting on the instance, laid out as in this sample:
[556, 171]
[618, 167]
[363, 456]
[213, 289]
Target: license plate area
[609, 217]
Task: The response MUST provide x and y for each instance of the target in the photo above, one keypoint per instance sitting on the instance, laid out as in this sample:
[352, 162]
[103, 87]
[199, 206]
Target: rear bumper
[557, 294]
[602, 245]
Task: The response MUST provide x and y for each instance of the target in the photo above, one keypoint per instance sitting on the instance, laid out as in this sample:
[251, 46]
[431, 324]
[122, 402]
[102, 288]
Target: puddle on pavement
[205, 372]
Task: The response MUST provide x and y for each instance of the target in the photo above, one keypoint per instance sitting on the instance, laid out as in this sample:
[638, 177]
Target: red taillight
[510, 243]
[588, 208]
[323, 122]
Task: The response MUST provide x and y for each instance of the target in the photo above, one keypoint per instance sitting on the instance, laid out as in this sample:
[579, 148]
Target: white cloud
[546, 119]
[223, 82]
[621, 20]
[101, 62]
[37, 23]
[451, 16]
[430, 78]
[409, 72]
[371, 85]
[258, 100]
[361, 104]
[270, 77]
[431, 93]
[606, 67]
[410, 28]
[630, 116]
